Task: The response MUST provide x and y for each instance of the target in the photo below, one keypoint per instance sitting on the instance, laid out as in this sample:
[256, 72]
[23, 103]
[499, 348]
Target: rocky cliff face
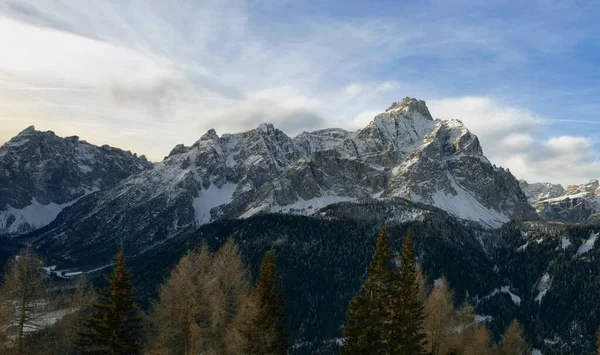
[576, 203]
[41, 173]
[403, 153]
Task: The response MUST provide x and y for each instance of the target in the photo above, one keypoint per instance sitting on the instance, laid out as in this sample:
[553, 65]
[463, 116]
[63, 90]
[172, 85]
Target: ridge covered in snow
[576, 203]
[402, 153]
[41, 174]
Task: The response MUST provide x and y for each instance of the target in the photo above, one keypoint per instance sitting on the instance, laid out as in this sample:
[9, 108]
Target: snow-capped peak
[411, 107]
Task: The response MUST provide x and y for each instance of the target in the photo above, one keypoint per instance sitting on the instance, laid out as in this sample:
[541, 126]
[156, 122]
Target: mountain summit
[41, 173]
[402, 152]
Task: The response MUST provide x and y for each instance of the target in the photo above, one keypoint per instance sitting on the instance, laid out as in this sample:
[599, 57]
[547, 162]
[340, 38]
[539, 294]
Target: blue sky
[147, 75]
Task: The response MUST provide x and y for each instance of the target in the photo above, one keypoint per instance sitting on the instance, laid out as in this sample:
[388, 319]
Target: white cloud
[145, 76]
[507, 135]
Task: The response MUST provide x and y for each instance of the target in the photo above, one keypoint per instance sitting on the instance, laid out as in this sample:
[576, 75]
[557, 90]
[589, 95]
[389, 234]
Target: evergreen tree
[406, 305]
[598, 341]
[369, 311]
[261, 323]
[115, 328]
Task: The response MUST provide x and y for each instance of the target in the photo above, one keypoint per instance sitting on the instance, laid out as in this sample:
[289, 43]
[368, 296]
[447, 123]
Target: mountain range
[508, 246]
[403, 152]
[576, 203]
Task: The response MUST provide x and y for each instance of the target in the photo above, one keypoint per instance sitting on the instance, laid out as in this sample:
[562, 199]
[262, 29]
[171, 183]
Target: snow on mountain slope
[541, 190]
[403, 153]
[41, 173]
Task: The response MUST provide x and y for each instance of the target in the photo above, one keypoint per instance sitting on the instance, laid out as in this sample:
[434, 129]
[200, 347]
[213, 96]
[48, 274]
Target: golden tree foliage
[439, 309]
[199, 302]
[513, 342]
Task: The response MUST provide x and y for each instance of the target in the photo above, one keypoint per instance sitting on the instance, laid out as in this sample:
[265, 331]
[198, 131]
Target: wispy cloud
[164, 74]
[510, 137]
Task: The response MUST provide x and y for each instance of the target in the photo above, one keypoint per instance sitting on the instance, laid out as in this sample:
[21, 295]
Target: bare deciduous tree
[439, 309]
[26, 302]
[73, 300]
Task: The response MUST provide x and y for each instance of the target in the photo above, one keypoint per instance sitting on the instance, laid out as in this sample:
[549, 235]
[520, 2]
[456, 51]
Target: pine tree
[513, 342]
[261, 323]
[26, 302]
[405, 303]
[368, 312]
[115, 328]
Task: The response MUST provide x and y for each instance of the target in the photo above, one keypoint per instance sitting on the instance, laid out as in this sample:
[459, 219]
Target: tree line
[394, 313]
[208, 305]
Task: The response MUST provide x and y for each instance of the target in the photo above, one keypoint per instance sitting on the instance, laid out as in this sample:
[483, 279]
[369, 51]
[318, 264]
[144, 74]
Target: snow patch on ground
[565, 242]
[516, 299]
[310, 206]
[543, 287]
[212, 197]
[483, 319]
[504, 289]
[588, 244]
[540, 296]
[523, 247]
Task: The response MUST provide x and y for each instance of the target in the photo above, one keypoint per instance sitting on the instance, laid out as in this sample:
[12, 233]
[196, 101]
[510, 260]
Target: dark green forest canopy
[323, 263]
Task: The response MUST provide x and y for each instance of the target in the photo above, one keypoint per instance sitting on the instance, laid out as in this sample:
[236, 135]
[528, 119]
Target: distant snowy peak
[541, 190]
[411, 107]
[576, 203]
[41, 173]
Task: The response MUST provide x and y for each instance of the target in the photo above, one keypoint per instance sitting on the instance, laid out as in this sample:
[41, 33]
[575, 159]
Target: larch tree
[469, 337]
[181, 317]
[513, 342]
[60, 338]
[368, 315]
[438, 323]
[115, 327]
[480, 341]
[227, 291]
[261, 326]
[26, 302]
[410, 338]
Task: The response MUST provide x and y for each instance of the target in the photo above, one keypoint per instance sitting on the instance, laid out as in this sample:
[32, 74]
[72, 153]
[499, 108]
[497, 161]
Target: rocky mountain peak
[589, 187]
[266, 128]
[210, 135]
[28, 130]
[409, 106]
[42, 173]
